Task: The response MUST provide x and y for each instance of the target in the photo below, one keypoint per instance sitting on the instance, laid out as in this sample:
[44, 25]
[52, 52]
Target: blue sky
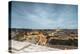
[43, 16]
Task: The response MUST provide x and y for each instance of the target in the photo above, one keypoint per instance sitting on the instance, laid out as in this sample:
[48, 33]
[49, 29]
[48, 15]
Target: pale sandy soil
[21, 47]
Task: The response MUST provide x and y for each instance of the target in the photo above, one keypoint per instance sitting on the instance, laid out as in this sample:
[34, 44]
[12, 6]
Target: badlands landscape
[24, 40]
